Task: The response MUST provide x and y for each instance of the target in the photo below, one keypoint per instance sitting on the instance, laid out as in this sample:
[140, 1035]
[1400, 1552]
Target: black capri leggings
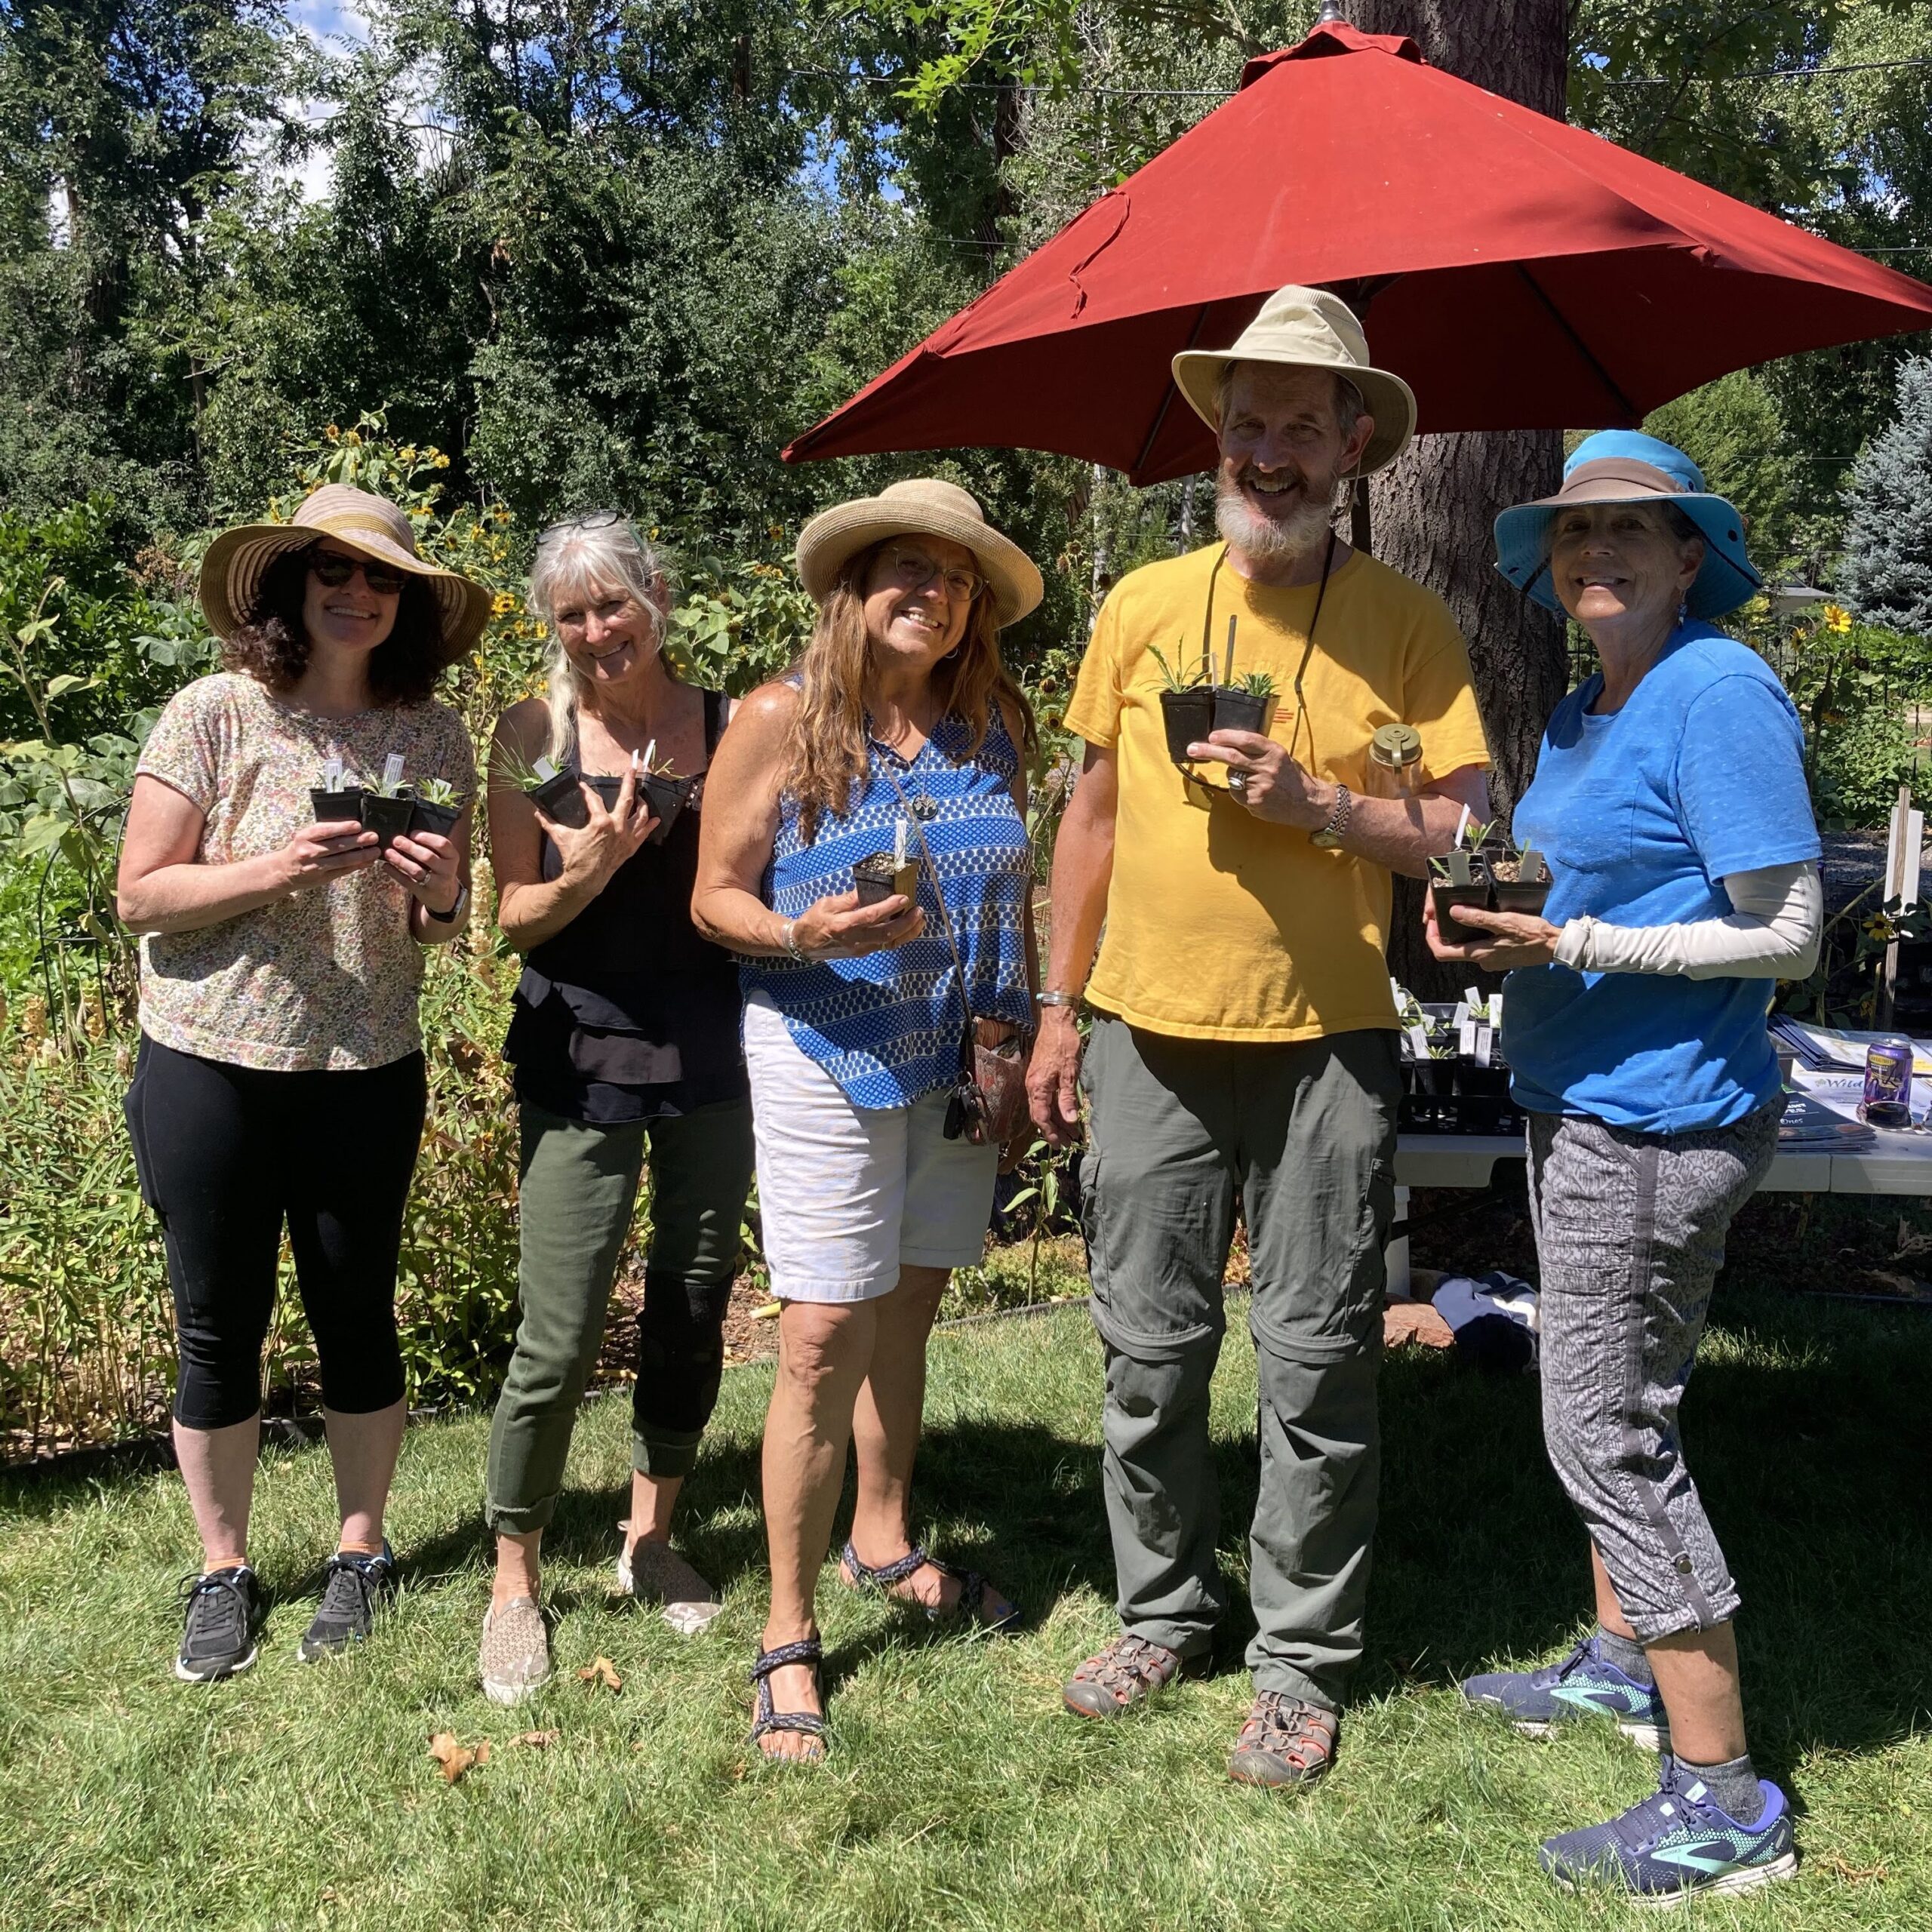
[226, 1153]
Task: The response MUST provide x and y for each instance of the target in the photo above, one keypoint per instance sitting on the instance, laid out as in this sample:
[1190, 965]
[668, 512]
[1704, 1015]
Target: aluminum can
[1888, 1083]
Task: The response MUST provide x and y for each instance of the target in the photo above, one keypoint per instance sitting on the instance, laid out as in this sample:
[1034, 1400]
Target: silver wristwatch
[1330, 834]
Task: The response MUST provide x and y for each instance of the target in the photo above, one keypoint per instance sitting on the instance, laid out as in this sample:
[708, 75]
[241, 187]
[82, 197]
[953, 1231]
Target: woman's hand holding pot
[838, 927]
[426, 862]
[320, 853]
[1519, 938]
[592, 852]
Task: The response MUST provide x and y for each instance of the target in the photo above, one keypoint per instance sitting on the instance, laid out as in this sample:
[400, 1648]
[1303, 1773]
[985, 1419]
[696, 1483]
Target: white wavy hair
[573, 560]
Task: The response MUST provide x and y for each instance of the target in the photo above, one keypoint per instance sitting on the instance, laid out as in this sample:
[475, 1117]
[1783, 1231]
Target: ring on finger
[1238, 784]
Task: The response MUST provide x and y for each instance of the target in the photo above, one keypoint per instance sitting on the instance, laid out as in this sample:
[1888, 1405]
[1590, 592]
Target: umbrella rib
[1167, 395]
[1582, 347]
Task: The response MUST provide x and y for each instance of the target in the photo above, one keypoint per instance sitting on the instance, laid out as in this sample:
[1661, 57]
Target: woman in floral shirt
[280, 1076]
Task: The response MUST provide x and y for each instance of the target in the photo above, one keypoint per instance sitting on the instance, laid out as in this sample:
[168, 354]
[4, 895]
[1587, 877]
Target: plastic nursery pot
[1189, 716]
[1447, 897]
[1514, 894]
[439, 819]
[332, 807]
[1434, 1079]
[878, 877]
[663, 799]
[561, 797]
[607, 788]
[1488, 1083]
[1240, 710]
[387, 818]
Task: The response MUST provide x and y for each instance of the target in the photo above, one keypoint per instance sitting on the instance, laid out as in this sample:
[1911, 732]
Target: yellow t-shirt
[1220, 926]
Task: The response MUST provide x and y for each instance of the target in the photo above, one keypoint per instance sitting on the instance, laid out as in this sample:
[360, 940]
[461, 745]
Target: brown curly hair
[273, 646]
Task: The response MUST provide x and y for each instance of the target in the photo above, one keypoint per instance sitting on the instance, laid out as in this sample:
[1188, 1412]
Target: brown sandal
[1286, 1740]
[1128, 1672]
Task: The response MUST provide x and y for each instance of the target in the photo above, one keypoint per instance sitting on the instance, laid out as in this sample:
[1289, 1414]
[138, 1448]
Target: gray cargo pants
[1304, 1132]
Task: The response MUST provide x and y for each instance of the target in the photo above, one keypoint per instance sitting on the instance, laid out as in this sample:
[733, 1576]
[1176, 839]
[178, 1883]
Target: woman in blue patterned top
[899, 728]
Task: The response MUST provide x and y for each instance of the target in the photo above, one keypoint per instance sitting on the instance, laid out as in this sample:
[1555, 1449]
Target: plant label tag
[392, 771]
[1484, 1036]
[332, 775]
[901, 830]
[1461, 1015]
[545, 770]
[1472, 999]
[650, 755]
[1496, 1012]
[1466, 1040]
[1419, 1042]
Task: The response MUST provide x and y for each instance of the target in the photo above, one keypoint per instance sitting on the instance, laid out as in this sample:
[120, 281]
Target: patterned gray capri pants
[1630, 1230]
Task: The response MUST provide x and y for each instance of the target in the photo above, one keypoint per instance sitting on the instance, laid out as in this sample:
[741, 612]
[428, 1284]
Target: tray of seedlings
[1455, 1080]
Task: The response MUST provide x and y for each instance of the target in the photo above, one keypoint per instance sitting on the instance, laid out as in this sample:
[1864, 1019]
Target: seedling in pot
[388, 804]
[1522, 882]
[879, 876]
[334, 800]
[558, 795]
[438, 806]
[662, 794]
[1187, 707]
[1458, 878]
[1244, 706]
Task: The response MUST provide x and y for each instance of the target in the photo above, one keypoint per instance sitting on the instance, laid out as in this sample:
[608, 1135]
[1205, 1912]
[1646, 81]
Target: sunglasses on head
[331, 569]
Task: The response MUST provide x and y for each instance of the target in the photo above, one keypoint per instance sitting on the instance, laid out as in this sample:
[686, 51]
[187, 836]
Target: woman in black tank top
[625, 1039]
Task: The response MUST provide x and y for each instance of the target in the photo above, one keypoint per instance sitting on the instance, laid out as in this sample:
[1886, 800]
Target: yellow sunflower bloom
[1837, 618]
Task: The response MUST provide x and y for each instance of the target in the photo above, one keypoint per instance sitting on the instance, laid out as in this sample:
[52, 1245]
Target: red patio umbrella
[1521, 274]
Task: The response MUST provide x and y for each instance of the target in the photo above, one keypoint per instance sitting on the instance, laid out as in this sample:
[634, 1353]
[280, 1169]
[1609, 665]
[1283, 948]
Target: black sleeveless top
[627, 1013]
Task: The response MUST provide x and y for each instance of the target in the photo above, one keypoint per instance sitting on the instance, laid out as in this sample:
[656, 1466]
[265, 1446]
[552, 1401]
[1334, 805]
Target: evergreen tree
[1887, 574]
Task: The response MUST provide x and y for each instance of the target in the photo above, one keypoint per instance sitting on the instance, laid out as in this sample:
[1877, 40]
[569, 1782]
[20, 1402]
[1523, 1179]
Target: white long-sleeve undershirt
[1772, 933]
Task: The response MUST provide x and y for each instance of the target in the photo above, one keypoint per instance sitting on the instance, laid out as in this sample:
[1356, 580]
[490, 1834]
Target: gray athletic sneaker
[655, 1573]
[514, 1660]
[355, 1585]
[224, 1608]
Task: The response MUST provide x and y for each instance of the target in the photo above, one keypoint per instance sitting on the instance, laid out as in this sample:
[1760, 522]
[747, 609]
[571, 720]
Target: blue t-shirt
[1641, 813]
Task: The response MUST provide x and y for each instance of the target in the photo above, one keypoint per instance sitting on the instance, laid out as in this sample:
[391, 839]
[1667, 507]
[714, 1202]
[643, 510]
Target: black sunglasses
[332, 569]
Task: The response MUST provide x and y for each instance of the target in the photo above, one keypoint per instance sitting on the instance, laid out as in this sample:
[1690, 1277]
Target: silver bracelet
[1056, 999]
[788, 938]
[1338, 819]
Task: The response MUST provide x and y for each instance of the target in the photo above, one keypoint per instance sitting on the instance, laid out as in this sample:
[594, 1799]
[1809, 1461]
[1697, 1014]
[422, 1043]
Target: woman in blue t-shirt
[1670, 801]
[900, 732]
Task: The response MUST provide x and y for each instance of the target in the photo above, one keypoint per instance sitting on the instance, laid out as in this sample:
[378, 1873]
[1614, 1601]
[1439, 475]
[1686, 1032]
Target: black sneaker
[224, 1609]
[355, 1583]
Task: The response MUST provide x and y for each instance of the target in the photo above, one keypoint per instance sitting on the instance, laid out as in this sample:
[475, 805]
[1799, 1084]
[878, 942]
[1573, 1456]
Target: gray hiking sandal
[1286, 1740]
[1128, 1672]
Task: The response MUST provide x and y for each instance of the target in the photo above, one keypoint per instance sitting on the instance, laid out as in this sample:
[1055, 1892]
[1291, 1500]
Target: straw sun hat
[236, 561]
[1307, 328]
[920, 506]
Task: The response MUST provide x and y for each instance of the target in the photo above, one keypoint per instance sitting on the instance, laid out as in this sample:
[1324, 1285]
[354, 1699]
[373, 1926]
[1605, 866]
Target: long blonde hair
[826, 752]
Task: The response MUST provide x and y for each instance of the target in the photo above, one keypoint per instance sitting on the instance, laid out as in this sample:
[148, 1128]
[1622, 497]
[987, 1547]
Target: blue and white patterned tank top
[887, 1026]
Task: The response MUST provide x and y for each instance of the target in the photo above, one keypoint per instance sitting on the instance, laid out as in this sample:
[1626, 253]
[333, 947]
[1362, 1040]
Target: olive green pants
[578, 1184]
[1304, 1133]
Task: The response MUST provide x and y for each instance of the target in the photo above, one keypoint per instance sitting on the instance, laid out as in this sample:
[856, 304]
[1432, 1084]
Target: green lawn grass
[958, 1793]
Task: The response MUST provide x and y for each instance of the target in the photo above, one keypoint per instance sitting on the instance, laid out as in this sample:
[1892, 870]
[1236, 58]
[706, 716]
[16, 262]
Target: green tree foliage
[1734, 430]
[1888, 572]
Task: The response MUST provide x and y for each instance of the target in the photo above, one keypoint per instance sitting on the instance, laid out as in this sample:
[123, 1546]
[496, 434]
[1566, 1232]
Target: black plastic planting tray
[1454, 1095]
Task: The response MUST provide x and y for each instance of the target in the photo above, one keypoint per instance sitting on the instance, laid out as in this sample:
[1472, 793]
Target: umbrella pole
[1359, 529]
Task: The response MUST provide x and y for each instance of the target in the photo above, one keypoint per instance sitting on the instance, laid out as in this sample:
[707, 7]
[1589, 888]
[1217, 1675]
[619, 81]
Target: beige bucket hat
[1308, 328]
[236, 561]
[921, 506]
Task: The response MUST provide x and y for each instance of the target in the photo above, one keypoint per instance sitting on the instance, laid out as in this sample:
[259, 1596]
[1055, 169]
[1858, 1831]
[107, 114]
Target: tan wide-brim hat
[921, 506]
[1307, 328]
[237, 561]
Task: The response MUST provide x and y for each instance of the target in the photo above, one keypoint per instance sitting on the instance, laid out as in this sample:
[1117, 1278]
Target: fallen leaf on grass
[1853, 1875]
[538, 1740]
[602, 1670]
[457, 1758]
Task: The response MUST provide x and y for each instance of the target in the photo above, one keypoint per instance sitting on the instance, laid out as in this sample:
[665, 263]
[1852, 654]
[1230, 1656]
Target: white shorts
[848, 1195]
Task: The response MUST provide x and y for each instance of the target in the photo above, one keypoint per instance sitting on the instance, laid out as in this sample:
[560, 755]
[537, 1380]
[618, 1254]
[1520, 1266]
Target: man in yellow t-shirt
[1244, 1042]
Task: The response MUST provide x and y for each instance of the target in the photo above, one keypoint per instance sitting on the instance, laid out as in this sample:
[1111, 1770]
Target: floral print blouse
[327, 978]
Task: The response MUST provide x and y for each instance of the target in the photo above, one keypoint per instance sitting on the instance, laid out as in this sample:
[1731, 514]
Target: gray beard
[1268, 540]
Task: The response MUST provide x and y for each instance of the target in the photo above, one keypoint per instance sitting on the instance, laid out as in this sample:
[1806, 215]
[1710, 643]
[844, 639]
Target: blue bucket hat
[1625, 467]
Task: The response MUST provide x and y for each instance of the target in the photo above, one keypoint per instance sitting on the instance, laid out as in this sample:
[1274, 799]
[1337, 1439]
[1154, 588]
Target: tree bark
[1433, 508]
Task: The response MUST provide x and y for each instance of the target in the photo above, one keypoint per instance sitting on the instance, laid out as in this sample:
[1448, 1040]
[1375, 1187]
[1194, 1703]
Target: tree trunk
[1432, 508]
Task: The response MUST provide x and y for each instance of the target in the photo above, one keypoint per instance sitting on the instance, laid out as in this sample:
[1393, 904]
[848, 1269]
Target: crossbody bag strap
[945, 920]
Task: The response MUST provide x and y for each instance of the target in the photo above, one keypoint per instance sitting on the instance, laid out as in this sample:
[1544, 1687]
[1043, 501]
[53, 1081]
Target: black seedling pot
[608, 788]
[1240, 710]
[1189, 716]
[561, 798]
[877, 878]
[1521, 895]
[438, 819]
[331, 806]
[1487, 1114]
[387, 818]
[1490, 1082]
[663, 799]
[1446, 896]
[1435, 1079]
